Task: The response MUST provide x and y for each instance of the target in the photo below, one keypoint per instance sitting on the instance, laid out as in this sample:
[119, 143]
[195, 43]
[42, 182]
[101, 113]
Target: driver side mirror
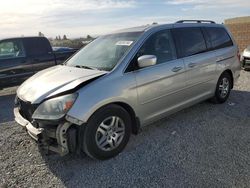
[146, 60]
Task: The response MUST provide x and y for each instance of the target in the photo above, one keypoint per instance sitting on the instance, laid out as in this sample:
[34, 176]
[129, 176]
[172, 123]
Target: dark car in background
[22, 57]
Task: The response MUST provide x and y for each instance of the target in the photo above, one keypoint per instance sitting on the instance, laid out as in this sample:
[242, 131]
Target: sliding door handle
[191, 65]
[176, 69]
[220, 59]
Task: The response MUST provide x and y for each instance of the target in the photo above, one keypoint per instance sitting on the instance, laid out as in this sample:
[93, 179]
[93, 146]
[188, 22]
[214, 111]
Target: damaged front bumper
[60, 138]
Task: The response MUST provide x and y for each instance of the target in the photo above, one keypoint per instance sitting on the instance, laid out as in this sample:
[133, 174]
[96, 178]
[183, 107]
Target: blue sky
[77, 18]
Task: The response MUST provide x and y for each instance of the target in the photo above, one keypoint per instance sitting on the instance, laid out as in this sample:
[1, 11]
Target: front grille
[26, 109]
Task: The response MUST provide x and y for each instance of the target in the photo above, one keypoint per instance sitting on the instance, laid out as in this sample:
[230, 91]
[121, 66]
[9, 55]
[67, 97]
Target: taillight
[238, 55]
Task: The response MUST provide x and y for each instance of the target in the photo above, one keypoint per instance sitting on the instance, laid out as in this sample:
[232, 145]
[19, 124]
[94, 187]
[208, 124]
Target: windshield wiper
[85, 67]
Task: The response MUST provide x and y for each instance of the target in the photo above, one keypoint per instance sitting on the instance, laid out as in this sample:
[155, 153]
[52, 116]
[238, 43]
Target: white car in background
[245, 58]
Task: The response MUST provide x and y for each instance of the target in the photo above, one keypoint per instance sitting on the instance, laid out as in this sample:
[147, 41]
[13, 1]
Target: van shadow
[169, 149]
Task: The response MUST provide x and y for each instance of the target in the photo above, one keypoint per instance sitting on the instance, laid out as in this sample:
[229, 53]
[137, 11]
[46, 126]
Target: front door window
[11, 49]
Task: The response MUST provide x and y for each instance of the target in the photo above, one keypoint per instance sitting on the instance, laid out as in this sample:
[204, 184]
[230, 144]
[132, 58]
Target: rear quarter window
[189, 41]
[219, 37]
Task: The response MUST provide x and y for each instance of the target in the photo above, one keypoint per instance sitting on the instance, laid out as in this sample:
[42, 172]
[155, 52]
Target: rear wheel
[223, 88]
[107, 132]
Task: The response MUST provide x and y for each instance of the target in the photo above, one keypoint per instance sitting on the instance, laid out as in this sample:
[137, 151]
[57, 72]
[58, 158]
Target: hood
[53, 81]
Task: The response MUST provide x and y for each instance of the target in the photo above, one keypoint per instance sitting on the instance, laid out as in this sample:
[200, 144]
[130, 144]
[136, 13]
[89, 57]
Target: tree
[89, 37]
[40, 34]
[64, 37]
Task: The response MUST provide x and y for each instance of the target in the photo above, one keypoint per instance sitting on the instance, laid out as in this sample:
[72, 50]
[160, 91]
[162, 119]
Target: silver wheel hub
[110, 133]
[224, 87]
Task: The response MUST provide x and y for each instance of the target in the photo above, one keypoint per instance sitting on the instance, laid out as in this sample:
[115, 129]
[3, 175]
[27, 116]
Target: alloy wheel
[110, 133]
[224, 87]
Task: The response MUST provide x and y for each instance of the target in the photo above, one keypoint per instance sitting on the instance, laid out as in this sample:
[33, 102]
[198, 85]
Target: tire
[220, 96]
[246, 69]
[98, 130]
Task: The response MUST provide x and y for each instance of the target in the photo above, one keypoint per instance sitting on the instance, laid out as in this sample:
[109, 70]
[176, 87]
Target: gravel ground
[206, 145]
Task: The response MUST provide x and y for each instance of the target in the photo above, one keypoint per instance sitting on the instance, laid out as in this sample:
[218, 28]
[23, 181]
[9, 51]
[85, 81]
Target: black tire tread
[216, 98]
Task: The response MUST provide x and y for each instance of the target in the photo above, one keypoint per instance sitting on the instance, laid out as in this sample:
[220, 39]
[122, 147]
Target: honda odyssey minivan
[125, 80]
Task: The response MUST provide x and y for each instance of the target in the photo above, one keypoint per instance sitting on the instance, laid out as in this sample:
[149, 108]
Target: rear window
[190, 41]
[219, 37]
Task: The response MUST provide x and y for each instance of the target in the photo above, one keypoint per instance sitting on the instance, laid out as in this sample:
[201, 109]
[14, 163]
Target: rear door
[159, 86]
[14, 66]
[39, 53]
[223, 48]
[200, 63]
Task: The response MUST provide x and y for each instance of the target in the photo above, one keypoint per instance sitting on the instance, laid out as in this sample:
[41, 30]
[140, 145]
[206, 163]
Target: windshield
[104, 52]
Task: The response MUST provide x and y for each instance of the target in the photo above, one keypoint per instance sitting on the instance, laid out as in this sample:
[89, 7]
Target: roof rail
[196, 21]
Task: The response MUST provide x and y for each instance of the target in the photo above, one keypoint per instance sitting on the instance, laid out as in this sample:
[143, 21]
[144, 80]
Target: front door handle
[176, 69]
[191, 65]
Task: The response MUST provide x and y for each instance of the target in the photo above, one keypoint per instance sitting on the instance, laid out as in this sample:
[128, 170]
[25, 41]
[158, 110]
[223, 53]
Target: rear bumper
[50, 139]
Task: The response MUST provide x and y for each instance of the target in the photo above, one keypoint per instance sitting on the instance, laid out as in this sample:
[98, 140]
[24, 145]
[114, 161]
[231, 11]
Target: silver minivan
[123, 81]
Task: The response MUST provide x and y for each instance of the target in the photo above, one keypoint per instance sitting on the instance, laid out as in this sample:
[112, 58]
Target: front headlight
[55, 108]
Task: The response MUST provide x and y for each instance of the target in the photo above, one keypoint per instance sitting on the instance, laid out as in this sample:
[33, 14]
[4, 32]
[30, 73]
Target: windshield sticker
[124, 43]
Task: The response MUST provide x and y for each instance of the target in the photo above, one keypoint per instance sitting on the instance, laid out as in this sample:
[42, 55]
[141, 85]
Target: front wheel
[223, 88]
[107, 132]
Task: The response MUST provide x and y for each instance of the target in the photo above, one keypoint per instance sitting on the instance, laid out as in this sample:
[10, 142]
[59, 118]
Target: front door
[160, 86]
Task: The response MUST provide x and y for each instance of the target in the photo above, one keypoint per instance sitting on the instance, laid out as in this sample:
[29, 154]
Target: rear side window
[37, 46]
[219, 37]
[190, 41]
